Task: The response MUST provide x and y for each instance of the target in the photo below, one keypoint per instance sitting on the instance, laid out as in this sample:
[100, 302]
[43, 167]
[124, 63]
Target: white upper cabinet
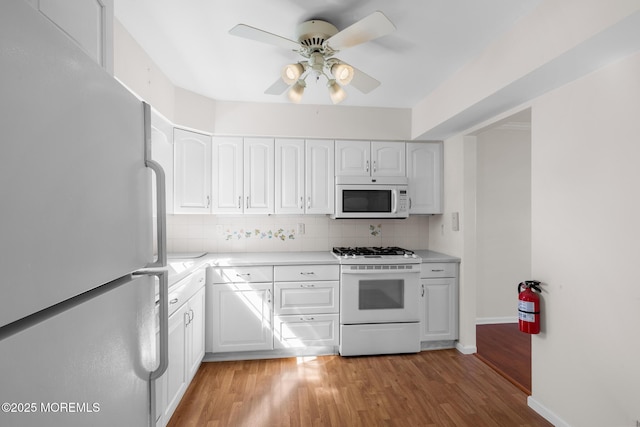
[192, 168]
[304, 176]
[388, 158]
[319, 177]
[365, 158]
[424, 172]
[353, 158]
[227, 175]
[243, 175]
[289, 180]
[89, 23]
[259, 175]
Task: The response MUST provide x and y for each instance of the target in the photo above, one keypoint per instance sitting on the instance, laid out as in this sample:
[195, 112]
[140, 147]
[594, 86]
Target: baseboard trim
[466, 349]
[546, 413]
[496, 320]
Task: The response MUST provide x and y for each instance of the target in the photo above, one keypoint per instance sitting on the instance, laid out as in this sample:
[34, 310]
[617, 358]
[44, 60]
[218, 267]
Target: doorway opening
[503, 243]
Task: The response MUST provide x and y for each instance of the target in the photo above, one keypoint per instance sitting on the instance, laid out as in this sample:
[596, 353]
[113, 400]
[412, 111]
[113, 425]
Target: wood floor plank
[431, 388]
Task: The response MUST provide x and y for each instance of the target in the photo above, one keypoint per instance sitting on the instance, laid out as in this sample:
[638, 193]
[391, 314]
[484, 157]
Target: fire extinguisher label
[526, 311]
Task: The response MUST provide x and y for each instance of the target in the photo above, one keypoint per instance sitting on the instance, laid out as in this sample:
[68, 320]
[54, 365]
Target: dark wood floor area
[508, 351]
[431, 388]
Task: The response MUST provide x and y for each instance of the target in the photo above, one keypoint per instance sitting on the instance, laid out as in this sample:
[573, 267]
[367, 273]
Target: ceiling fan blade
[363, 81]
[369, 28]
[277, 88]
[252, 33]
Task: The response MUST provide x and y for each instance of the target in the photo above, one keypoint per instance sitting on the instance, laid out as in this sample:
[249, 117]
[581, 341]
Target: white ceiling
[189, 41]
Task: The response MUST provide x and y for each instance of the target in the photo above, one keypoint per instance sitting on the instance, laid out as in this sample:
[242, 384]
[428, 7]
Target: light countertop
[181, 265]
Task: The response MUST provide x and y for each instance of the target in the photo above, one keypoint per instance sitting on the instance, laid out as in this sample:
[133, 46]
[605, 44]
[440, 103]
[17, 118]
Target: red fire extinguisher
[529, 307]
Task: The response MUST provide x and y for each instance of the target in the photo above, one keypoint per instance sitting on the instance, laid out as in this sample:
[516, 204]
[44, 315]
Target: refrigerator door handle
[161, 212]
[163, 278]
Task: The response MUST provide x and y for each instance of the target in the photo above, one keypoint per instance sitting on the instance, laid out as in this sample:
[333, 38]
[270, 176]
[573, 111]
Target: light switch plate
[455, 221]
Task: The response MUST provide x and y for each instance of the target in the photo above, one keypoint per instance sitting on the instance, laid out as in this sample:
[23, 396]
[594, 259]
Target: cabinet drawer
[306, 297]
[185, 289]
[240, 274]
[438, 269]
[306, 331]
[296, 273]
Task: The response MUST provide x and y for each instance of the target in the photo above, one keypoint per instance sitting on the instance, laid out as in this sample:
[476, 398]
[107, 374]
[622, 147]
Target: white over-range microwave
[367, 197]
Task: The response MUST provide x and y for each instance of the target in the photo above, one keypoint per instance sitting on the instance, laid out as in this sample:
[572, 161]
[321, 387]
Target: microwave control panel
[402, 201]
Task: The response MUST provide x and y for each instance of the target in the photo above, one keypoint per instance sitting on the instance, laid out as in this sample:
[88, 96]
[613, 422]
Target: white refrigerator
[77, 314]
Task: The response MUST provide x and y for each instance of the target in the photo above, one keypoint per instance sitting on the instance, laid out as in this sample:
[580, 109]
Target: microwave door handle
[394, 201]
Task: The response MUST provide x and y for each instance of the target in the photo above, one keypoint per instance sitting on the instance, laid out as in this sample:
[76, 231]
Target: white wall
[503, 219]
[586, 229]
[459, 196]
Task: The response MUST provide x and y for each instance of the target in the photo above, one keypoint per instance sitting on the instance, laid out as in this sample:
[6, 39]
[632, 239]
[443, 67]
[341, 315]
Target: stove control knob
[354, 256]
[406, 255]
[414, 256]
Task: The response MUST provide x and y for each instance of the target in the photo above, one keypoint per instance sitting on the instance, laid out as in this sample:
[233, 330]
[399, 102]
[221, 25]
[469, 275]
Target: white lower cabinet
[307, 306]
[186, 345]
[241, 317]
[439, 306]
[239, 309]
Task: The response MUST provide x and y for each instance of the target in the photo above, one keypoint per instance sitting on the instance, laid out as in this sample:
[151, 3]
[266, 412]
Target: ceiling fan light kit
[296, 91]
[291, 73]
[318, 42]
[336, 93]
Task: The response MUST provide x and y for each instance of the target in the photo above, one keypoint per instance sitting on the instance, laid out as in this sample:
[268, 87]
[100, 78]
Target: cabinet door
[88, 23]
[290, 173]
[195, 334]
[424, 172]
[258, 175]
[192, 164]
[388, 158]
[241, 317]
[319, 177]
[175, 376]
[439, 309]
[353, 158]
[162, 152]
[227, 175]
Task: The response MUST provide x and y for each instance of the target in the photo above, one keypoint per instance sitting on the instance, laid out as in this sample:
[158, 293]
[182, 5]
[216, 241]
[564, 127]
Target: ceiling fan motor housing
[312, 34]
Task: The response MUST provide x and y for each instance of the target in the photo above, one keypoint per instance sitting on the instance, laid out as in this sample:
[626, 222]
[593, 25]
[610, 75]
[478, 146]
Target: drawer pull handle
[307, 285]
[243, 274]
[173, 301]
[434, 270]
[307, 273]
[307, 319]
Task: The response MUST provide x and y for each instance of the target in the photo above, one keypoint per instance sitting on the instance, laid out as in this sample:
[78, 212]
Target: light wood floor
[431, 388]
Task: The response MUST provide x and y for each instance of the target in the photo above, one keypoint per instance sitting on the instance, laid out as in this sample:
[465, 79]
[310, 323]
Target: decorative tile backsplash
[288, 233]
[258, 234]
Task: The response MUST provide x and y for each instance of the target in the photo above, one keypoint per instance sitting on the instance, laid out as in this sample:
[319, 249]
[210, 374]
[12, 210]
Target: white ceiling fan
[318, 42]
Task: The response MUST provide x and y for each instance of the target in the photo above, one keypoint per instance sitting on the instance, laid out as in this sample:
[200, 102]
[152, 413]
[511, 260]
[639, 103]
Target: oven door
[379, 294]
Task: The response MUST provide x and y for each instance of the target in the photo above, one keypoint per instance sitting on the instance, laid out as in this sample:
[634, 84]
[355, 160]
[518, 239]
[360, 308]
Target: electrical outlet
[219, 229]
[300, 228]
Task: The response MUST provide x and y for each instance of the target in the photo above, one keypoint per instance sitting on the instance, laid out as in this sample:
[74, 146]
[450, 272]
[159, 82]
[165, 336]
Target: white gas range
[379, 300]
